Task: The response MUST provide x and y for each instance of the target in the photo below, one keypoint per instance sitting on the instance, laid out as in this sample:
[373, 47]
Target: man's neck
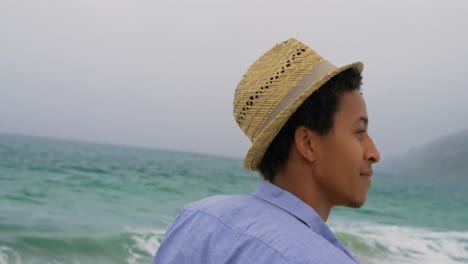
[306, 189]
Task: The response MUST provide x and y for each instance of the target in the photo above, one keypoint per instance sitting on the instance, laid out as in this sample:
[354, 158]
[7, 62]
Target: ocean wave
[9, 256]
[133, 246]
[145, 242]
[374, 243]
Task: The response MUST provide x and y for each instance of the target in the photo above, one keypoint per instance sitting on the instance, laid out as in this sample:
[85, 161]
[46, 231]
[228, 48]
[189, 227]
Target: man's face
[345, 155]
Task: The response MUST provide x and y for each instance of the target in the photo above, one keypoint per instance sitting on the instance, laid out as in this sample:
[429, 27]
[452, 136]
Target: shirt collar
[296, 207]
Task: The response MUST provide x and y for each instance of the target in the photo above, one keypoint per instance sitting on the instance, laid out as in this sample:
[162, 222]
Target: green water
[72, 202]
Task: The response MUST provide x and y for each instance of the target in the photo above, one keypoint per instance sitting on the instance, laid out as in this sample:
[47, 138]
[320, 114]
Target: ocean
[74, 202]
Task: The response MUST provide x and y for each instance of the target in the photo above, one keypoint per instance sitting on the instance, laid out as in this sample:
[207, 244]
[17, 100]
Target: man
[307, 122]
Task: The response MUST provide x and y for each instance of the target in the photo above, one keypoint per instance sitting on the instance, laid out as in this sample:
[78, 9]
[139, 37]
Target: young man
[307, 122]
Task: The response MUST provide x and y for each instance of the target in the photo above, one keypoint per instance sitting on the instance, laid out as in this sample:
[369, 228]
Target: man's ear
[305, 140]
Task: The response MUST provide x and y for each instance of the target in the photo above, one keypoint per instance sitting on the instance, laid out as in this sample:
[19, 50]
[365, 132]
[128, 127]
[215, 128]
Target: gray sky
[162, 74]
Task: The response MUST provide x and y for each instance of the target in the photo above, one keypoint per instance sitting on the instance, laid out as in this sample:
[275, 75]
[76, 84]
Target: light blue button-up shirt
[270, 226]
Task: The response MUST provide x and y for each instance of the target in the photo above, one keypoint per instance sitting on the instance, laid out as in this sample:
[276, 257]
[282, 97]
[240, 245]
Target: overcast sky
[162, 74]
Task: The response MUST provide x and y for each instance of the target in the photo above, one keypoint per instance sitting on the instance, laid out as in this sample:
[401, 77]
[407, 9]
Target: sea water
[74, 202]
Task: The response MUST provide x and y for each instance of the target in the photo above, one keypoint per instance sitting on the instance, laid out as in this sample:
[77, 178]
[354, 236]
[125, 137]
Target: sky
[162, 74]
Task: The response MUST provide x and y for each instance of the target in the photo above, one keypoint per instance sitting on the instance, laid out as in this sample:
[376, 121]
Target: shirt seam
[283, 209]
[240, 233]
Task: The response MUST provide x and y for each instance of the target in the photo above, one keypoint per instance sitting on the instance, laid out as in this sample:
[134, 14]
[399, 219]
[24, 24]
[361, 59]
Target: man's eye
[360, 133]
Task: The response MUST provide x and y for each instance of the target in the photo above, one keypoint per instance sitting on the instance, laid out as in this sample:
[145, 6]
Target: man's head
[306, 116]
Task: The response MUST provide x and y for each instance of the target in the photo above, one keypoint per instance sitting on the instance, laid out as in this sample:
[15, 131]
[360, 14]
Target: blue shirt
[269, 226]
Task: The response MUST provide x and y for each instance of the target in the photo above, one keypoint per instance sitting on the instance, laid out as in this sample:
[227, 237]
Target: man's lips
[367, 174]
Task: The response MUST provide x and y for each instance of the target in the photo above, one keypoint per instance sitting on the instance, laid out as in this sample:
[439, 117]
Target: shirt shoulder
[242, 229]
[198, 236]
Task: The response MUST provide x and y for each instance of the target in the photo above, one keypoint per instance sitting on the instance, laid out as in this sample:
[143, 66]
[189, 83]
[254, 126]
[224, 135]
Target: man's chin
[357, 203]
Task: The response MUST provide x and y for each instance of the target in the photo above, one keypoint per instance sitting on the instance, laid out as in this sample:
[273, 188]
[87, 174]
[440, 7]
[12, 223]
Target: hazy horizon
[162, 74]
[387, 161]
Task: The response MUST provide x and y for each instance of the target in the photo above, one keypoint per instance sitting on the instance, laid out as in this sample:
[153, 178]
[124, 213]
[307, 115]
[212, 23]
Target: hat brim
[267, 135]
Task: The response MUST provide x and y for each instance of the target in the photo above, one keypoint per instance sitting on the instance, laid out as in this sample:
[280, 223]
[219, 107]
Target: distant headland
[446, 157]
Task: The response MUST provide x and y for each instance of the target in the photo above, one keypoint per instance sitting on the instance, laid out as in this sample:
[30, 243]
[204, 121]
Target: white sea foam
[9, 256]
[395, 244]
[146, 242]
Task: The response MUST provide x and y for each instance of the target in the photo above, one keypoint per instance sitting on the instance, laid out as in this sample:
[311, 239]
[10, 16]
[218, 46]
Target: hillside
[446, 157]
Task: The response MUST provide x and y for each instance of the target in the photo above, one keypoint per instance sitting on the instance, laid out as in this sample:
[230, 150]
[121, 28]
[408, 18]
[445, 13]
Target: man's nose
[372, 154]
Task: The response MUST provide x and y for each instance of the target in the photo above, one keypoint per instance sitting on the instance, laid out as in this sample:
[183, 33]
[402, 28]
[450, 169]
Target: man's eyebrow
[364, 119]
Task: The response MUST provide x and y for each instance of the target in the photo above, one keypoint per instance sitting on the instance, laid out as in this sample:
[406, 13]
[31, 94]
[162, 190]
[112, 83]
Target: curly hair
[316, 113]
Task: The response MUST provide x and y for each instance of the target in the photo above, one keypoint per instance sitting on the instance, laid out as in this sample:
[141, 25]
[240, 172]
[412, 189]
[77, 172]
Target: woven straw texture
[264, 86]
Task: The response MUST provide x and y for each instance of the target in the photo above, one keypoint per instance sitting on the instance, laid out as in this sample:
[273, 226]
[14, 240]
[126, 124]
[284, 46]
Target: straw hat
[274, 87]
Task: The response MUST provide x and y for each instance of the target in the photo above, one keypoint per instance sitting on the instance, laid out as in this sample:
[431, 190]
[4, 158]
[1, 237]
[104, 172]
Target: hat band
[317, 73]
